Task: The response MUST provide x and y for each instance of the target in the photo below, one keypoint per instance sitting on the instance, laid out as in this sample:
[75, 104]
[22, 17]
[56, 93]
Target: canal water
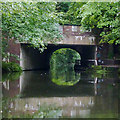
[60, 94]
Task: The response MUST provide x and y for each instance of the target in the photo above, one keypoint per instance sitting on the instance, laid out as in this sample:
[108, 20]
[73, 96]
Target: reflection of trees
[64, 75]
[62, 67]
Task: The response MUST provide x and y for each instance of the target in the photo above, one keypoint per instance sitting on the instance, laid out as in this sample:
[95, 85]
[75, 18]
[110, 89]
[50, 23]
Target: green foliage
[64, 56]
[97, 71]
[48, 112]
[103, 17]
[100, 17]
[71, 16]
[11, 76]
[4, 48]
[64, 75]
[62, 6]
[10, 67]
[30, 22]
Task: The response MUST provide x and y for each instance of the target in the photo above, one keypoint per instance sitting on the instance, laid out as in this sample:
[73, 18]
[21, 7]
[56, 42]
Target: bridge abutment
[32, 59]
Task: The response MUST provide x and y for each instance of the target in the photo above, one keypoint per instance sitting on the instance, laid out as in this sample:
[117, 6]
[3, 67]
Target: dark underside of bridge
[32, 59]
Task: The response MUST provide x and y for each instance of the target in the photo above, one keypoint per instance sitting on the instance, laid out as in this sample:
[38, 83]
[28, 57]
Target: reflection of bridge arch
[32, 59]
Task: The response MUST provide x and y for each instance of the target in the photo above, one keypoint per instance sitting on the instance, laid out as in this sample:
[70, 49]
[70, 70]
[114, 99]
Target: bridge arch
[32, 59]
[68, 54]
[62, 63]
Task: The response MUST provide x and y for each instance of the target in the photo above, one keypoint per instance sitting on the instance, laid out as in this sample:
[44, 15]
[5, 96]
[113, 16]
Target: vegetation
[40, 21]
[97, 71]
[62, 6]
[10, 67]
[31, 22]
[71, 16]
[11, 76]
[102, 18]
[37, 23]
[64, 75]
[103, 72]
[64, 56]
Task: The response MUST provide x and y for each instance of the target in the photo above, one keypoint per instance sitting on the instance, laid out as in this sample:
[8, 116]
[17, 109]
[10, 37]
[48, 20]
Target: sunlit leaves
[72, 15]
[30, 22]
[104, 16]
[100, 17]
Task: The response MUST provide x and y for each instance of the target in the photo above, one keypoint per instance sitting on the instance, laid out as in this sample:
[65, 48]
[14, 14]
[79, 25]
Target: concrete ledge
[110, 62]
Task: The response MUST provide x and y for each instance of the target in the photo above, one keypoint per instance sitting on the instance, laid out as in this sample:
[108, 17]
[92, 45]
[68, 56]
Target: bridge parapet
[74, 35]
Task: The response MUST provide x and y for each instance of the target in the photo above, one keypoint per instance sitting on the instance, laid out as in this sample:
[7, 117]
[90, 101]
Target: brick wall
[14, 48]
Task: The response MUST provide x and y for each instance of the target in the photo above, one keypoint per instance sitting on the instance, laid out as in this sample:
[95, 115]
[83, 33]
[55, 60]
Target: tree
[62, 6]
[32, 22]
[71, 16]
[102, 17]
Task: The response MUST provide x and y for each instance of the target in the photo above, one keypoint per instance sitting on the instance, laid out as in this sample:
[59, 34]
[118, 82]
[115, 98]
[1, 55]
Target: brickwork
[14, 48]
[74, 35]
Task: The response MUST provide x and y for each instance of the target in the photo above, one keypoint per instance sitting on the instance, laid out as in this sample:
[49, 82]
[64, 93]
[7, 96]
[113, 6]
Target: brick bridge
[83, 43]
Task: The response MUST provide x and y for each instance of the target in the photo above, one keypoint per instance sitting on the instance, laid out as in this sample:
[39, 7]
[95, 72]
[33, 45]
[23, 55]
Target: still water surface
[42, 94]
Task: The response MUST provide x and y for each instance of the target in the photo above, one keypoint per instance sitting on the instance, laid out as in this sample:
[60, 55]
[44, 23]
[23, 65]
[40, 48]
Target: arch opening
[62, 67]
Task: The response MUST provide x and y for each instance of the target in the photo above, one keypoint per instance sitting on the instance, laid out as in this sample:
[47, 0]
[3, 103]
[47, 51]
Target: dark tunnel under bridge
[32, 59]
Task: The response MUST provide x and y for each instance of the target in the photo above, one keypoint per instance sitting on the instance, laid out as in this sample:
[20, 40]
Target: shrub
[10, 67]
[11, 76]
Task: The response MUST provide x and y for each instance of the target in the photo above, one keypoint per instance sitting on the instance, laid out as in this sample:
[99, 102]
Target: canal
[38, 94]
[62, 91]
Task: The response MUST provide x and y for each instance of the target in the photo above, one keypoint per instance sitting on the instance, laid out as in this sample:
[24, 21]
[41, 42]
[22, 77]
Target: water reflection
[34, 95]
[65, 76]
[67, 106]
[34, 84]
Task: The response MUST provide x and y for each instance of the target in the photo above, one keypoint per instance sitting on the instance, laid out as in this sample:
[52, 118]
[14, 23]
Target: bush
[10, 67]
[97, 71]
[96, 67]
[11, 76]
